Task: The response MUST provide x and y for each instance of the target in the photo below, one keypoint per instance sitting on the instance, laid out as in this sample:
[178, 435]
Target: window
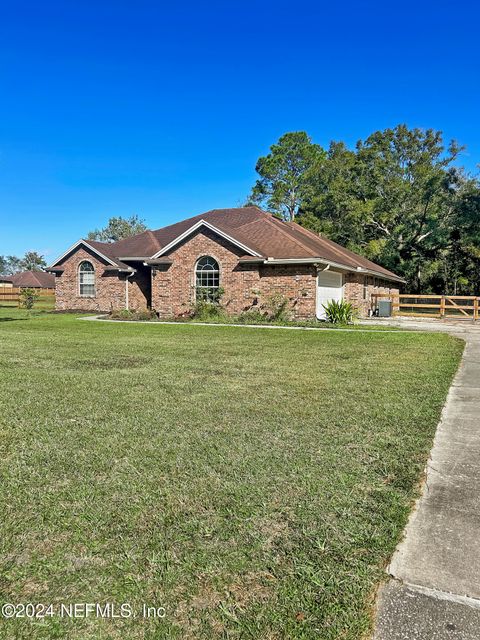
[207, 279]
[86, 279]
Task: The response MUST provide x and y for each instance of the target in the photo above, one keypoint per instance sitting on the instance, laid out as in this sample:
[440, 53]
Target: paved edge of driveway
[408, 612]
[434, 590]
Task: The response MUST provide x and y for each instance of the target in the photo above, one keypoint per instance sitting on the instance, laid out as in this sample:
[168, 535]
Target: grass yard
[254, 483]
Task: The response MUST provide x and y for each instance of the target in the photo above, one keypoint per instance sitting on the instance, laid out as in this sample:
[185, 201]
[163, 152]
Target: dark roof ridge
[336, 248]
[154, 238]
[278, 225]
[201, 216]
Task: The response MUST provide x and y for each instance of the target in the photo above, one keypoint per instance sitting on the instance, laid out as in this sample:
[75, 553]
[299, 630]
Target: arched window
[207, 279]
[86, 279]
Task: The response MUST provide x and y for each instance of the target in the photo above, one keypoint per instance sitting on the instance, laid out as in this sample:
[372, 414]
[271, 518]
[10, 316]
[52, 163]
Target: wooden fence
[430, 306]
[12, 294]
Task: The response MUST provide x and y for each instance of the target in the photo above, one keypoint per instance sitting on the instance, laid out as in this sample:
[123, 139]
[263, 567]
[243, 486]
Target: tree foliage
[9, 265]
[28, 297]
[119, 228]
[400, 199]
[32, 261]
[285, 172]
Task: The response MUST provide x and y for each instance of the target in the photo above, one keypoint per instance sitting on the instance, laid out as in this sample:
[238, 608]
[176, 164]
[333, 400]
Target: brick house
[246, 252]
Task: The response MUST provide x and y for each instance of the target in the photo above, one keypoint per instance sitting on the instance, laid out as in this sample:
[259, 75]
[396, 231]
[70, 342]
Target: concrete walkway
[434, 590]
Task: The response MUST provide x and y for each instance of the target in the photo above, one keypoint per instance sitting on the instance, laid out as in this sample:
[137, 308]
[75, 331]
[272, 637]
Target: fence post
[475, 309]
[396, 304]
[442, 307]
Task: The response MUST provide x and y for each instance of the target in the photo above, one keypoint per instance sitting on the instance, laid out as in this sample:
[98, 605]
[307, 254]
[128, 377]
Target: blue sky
[162, 109]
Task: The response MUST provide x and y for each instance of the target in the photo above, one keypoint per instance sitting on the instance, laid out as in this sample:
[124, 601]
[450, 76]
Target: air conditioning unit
[384, 308]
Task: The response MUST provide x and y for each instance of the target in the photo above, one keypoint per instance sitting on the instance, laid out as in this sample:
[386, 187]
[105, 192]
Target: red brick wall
[358, 289]
[109, 287]
[173, 287]
[296, 283]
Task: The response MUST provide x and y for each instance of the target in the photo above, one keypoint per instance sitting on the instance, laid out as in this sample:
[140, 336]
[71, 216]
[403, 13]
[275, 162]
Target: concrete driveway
[434, 587]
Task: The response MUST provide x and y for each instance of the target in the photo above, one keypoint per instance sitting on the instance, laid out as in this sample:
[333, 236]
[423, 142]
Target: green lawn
[252, 482]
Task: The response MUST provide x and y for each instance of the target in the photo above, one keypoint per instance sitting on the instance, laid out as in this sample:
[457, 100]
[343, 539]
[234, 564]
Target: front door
[329, 287]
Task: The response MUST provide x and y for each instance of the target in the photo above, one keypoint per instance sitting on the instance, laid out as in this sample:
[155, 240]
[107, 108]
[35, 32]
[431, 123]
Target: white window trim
[218, 271]
[87, 295]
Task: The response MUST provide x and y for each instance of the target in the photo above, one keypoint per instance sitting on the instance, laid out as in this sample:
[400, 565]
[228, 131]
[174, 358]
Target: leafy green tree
[28, 297]
[461, 263]
[399, 198]
[3, 265]
[32, 261]
[119, 228]
[285, 174]
[410, 183]
[9, 265]
[394, 199]
[334, 206]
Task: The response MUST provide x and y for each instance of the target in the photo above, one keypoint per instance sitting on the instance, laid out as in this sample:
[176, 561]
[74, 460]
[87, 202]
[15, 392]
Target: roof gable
[88, 245]
[204, 224]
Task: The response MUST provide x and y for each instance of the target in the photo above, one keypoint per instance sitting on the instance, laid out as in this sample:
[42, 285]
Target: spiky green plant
[340, 312]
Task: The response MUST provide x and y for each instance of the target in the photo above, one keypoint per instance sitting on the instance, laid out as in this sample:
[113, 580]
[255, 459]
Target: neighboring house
[6, 282]
[33, 280]
[247, 252]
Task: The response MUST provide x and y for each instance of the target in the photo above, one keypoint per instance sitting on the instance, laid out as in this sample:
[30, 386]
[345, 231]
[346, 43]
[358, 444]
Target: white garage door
[329, 287]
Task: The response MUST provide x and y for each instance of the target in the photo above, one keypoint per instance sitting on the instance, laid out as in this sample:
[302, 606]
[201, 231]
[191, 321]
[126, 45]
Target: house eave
[251, 260]
[379, 274]
[132, 258]
[54, 269]
[120, 269]
[158, 261]
[335, 265]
